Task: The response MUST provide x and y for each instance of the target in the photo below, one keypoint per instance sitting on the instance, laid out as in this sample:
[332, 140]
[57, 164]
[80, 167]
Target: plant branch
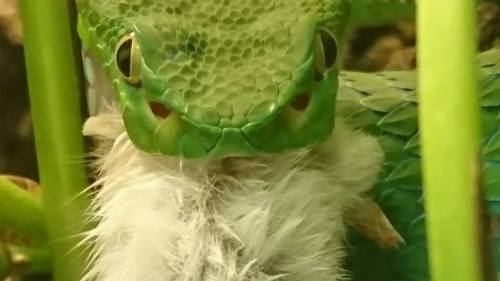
[20, 211]
[449, 119]
[55, 89]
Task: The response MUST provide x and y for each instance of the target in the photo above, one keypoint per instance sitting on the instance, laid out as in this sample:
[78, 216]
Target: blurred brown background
[17, 153]
[368, 49]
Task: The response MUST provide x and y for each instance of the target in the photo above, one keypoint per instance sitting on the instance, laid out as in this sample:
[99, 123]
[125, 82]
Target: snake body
[385, 104]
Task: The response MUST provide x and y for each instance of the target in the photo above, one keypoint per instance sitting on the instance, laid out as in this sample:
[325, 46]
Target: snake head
[219, 78]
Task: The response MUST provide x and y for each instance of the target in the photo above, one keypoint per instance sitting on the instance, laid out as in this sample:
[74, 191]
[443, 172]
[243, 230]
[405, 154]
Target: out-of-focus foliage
[391, 46]
[10, 21]
[370, 12]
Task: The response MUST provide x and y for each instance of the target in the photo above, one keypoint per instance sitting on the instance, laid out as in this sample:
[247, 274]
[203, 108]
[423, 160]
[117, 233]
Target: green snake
[224, 78]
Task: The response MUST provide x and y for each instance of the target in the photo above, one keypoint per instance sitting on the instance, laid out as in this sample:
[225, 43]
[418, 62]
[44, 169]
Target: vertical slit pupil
[329, 48]
[123, 57]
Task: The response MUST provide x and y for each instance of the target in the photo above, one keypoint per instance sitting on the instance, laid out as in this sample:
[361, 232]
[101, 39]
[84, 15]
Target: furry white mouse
[271, 217]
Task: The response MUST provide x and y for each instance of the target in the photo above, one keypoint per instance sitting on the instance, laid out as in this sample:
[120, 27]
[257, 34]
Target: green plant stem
[30, 261]
[5, 263]
[24, 261]
[21, 212]
[450, 139]
[55, 92]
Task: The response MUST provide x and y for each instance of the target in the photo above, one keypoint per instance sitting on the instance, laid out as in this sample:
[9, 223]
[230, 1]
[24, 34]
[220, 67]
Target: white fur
[263, 218]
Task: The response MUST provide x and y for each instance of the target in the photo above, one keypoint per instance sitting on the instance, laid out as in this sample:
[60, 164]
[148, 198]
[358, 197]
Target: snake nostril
[159, 110]
[301, 102]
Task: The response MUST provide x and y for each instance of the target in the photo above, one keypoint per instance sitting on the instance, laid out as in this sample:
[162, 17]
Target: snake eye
[128, 59]
[326, 51]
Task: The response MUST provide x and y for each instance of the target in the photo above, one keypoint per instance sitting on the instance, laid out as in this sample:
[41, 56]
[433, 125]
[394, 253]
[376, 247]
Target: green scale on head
[219, 78]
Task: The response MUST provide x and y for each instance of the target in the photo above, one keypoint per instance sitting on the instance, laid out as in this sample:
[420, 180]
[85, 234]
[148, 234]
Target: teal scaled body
[385, 104]
[219, 78]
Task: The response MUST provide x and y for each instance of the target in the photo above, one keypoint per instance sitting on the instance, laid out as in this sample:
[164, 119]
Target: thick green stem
[55, 92]
[450, 124]
[31, 261]
[24, 261]
[5, 263]
[21, 212]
